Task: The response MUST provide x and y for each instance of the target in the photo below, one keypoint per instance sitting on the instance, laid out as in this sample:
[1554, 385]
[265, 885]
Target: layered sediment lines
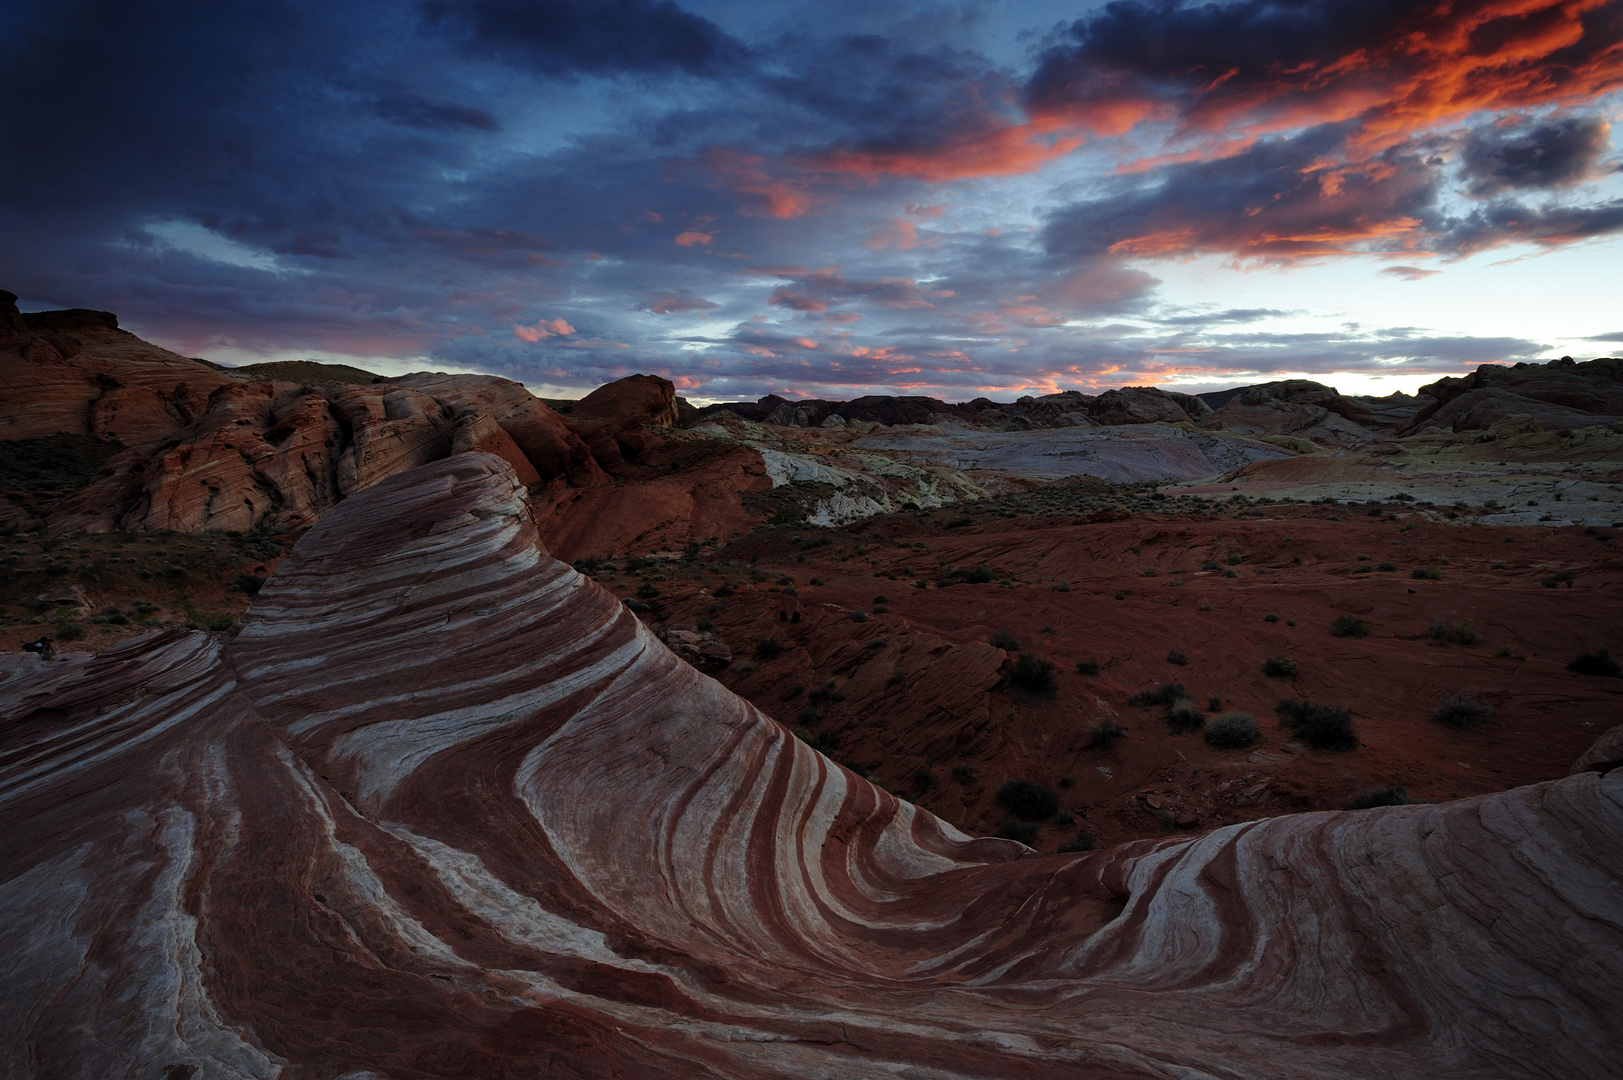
[444, 808]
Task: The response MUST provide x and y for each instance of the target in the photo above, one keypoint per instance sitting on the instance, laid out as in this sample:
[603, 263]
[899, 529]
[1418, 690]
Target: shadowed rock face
[444, 808]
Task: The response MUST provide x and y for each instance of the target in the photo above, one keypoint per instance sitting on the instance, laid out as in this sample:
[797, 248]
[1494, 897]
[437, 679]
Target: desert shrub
[1214, 704]
[1386, 567]
[1465, 633]
[978, 576]
[1279, 667]
[1164, 694]
[768, 648]
[249, 583]
[924, 778]
[1082, 841]
[793, 692]
[1426, 573]
[1270, 617]
[1104, 734]
[1028, 800]
[1369, 798]
[1461, 710]
[647, 592]
[1438, 630]
[1323, 727]
[1005, 640]
[1233, 731]
[1018, 831]
[859, 616]
[723, 593]
[1087, 667]
[786, 580]
[1349, 626]
[1211, 564]
[823, 741]
[1061, 586]
[1032, 674]
[1230, 573]
[959, 522]
[704, 626]
[964, 774]
[69, 630]
[633, 604]
[826, 693]
[1595, 663]
[1185, 715]
[1176, 657]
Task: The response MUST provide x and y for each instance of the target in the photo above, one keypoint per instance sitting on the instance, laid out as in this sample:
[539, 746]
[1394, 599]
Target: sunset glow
[952, 199]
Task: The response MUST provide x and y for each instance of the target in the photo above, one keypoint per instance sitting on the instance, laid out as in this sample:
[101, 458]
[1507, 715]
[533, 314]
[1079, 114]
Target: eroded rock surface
[445, 808]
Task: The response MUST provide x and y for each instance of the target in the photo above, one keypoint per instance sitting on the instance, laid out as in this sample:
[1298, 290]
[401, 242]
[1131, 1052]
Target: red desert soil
[920, 694]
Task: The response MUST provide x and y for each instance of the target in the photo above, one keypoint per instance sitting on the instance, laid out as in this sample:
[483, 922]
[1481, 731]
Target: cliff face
[204, 448]
[444, 808]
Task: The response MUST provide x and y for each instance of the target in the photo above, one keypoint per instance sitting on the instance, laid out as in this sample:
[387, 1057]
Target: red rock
[445, 808]
[633, 400]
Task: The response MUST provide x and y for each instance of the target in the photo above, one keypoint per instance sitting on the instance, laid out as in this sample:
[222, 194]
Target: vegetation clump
[1595, 663]
[1164, 694]
[1233, 731]
[964, 774]
[1087, 667]
[1005, 640]
[1028, 800]
[1369, 798]
[1349, 626]
[1323, 727]
[1178, 658]
[1279, 667]
[1461, 710]
[768, 648]
[1032, 674]
[1082, 841]
[1104, 734]
[1184, 715]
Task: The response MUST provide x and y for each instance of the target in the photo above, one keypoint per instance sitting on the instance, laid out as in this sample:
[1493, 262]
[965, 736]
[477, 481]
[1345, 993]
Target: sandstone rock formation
[1560, 395]
[445, 808]
[1137, 405]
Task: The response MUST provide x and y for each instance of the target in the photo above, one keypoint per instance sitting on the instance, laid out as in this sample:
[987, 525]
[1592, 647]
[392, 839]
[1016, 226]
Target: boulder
[1136, 405]
[633, 400]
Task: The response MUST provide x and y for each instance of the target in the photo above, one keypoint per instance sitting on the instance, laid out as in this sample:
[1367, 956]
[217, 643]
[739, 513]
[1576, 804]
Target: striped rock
[444, 808]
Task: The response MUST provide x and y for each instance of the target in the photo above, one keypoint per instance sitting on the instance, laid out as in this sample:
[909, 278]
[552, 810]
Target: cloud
[1388, 67]
[1409, 273]
[819, 290]
[1554, 154]
[1614, 336]
[419, 112]
[1280, 200]
[555, 37]
[679, 302]
[693, 238]
[543, 329]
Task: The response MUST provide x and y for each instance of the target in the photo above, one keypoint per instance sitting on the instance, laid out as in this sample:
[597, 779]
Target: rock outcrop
[207, 449]
[443, 807]
[1560, 395]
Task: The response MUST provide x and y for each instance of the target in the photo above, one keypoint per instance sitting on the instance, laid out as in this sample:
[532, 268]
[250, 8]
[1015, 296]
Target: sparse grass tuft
[1461, 710]
[1233, 731]
[1323, 727]
[1103, 735]
[1005, 640]
[1185, 715]
[1087, 667]
[1032, 674]
[1279, 667]
[1082, 841]
[1176, 657]
[1369, 798]
[1164, 694]
[768, 648]
[1349, 626]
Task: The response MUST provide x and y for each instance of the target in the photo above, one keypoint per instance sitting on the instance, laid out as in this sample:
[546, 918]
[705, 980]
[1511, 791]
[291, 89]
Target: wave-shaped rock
[444, 808]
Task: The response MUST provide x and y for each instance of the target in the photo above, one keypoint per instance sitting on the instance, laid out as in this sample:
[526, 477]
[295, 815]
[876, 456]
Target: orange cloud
[543, 329]
[692, 238]
[1008, 150]
[745, 174]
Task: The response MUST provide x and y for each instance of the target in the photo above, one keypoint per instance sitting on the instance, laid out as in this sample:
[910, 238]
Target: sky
[961, 199]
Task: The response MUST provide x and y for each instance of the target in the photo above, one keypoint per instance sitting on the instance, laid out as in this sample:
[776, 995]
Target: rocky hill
[443, 807]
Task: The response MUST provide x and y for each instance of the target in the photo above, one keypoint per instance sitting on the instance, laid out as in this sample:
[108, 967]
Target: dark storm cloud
[1281, 199]
[430, 115]
[1500, 223]
[1555, 154]
[595, 36]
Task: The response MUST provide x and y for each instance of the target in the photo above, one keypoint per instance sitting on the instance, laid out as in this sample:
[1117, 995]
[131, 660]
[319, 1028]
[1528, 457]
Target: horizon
[944, 199]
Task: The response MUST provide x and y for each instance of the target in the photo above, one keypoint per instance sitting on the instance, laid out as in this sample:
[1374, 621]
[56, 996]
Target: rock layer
[445, 808]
